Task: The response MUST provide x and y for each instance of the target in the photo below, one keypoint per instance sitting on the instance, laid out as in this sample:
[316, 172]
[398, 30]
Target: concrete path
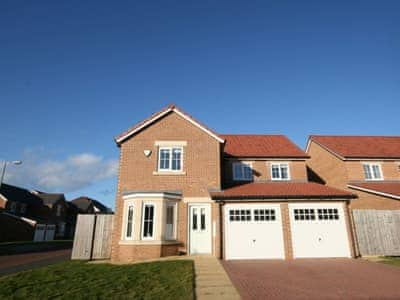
[10, 264]
[211, 280]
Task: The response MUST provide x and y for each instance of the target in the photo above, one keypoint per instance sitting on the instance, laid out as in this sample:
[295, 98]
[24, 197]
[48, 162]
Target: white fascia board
[281, 200]
[286, 159]
[371, 159]
[30, 221]
[122, 138]
[373, 191]
[327, 149]
[3, 197]
[198, 125]
[155, 118]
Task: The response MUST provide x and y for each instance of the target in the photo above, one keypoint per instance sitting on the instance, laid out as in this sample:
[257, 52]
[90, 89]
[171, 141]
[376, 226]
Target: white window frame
[146, 238]
[170, 148]
[58, 210]
[370, 166]
[174, 221]
[126, 216]
[243, 164]
[279, 164]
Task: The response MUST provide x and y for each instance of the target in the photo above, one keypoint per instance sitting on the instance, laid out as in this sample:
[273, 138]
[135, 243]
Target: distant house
[58, 213]
[87, 205]
[23, 216]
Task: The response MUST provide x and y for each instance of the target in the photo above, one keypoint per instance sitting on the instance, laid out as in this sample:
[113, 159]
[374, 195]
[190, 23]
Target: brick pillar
[287, 234]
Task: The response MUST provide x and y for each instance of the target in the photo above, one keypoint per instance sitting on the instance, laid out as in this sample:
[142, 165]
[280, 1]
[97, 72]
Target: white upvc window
[372, 171]
[148, 224]
[280, 171]
[129, 213]
[59, 210]
[170, 159]
[171, 218]
[242, 171]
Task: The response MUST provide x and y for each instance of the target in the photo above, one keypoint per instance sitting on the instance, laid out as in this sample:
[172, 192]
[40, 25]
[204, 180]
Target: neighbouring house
[58, 213]
[23, 216]
[185, 189]
[366, 165]
[88, 205]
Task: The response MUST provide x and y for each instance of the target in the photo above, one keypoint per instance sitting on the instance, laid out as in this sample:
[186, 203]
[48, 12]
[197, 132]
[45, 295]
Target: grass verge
[79, 280]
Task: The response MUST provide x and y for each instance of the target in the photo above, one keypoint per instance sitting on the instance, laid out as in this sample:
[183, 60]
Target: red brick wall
[201, 164]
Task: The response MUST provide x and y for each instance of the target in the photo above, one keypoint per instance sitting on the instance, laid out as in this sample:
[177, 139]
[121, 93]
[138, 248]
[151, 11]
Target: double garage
[259, 230]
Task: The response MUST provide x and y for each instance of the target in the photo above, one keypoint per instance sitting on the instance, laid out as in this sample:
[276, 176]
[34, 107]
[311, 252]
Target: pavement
[10, 264]
[314, 279]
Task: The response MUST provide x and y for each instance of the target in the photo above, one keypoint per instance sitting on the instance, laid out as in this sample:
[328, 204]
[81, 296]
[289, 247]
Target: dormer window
[372, 171]
[280, 171]
[242, 171]
[170, 159]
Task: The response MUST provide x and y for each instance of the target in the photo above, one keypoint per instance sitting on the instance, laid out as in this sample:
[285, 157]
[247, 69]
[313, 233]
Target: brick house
[366, 165]
[21, 214]
[184, 189]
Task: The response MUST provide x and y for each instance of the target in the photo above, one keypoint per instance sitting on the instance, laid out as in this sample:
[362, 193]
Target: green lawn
[80, 280]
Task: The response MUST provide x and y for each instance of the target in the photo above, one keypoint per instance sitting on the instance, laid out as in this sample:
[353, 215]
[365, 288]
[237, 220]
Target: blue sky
[73, 74]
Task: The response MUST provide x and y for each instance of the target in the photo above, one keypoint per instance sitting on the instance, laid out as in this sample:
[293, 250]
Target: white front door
[200, 229]
[318, 230]
[253, 231]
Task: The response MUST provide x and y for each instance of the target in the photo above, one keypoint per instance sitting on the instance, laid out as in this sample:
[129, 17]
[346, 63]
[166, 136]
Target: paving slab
[211, 280]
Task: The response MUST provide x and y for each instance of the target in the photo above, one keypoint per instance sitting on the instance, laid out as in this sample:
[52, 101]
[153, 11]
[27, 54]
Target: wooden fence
[377, 231]
[93, 235]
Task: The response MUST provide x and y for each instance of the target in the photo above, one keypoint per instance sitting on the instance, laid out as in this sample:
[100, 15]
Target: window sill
[169, 173]
[148, 242]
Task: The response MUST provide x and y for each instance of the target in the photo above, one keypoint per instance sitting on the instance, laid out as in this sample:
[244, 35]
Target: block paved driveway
[314, 279]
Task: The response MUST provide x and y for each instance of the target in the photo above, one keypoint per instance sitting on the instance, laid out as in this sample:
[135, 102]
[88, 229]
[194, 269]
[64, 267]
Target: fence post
[93, 237]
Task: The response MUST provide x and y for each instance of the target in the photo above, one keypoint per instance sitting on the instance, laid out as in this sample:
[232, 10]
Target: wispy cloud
[63, 175]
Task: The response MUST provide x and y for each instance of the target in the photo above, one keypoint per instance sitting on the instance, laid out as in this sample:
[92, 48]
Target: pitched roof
[154, 117]
[83, 203]
[385, 188]
[17, 194]
[49, 198]
[360, 146]
[252, 145]
[281, 190]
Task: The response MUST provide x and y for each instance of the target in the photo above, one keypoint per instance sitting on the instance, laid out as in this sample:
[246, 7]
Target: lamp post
[14, 162]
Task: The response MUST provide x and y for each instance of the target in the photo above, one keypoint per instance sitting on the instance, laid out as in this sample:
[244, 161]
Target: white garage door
[318, 230]
[253, 231]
